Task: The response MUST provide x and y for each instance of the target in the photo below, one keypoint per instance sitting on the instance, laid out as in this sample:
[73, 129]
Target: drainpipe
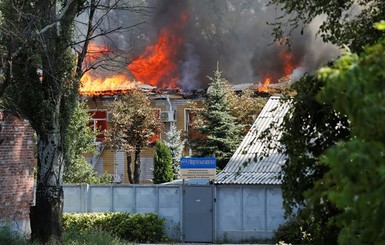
[169, 103]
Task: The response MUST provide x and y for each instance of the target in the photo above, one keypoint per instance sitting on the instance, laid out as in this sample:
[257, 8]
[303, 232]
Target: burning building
[173, 54]
[171, 107]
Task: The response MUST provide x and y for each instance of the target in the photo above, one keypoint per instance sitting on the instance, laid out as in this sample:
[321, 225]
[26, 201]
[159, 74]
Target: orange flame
[105, 86]
[264, 85]
[158, 65]
[288, 62]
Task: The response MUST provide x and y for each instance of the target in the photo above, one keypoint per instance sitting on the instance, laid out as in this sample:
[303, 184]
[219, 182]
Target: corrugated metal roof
[253, 162]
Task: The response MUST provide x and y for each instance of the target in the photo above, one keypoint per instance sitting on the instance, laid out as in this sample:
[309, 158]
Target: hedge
[142, 228]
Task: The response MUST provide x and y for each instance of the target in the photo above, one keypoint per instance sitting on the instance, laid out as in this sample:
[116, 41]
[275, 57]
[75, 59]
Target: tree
[355, 182]
[346, 22]
[80, 139]
[221, 134]
[163, 171]
[39, 86]
[39, 82]
[308, 129]
[175, 145]
[134, 124]
[245, 107]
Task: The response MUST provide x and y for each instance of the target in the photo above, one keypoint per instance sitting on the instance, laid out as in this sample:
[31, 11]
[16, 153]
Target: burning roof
[184, 43]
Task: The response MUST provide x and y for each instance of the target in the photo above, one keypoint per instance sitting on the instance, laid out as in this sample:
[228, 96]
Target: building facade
[17, 171]
[172, 108]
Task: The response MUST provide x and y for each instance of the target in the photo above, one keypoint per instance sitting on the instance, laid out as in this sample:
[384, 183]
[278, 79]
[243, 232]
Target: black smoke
[231, 33]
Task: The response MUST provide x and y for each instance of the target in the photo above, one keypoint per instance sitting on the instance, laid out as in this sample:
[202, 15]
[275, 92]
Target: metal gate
[198, 213]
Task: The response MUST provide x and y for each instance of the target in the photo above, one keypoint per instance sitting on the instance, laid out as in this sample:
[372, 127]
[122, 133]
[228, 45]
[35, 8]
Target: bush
[133, 227]
[289, 232]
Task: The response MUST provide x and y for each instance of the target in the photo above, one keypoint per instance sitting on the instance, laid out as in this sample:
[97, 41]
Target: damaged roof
[253, 163]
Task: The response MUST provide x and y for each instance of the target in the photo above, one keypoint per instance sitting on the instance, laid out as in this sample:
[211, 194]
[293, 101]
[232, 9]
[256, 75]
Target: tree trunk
[129, 169]
[137, 165]
[47, 214]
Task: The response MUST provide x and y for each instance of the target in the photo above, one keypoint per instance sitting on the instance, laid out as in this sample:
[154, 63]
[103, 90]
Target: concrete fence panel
[241, 213]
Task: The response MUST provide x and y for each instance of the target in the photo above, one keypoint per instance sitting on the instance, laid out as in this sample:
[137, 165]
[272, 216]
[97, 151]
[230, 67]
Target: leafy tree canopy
[308, 129]
[346, 22]
[356, 180]
[134, 125]
[80, 139]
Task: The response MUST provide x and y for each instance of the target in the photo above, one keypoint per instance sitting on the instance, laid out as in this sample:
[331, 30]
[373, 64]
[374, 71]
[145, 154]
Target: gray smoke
[232, 33]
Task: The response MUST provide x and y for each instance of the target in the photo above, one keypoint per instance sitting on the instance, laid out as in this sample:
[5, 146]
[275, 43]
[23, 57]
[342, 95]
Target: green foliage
[245, 107]
[289, 232]
[91, 236]
[347, 22]
[305, 228]
[80, 171]
[134, 125]
[220, 131]
[79, 140]
[163, 171]
[70, 237]
[80, 137]
[175, 145]
[39, 85]
[308, 129]
[132, 227]
[356, 183]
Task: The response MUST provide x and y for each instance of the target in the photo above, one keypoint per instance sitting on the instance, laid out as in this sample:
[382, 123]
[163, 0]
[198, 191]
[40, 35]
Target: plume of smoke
[232, 33]
[190, 69]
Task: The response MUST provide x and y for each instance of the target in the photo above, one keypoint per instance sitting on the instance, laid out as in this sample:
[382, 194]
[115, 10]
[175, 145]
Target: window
[189, 115]
[98, 123]
[191, 132]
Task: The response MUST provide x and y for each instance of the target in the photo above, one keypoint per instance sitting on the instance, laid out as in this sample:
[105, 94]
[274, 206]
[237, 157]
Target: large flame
[106, 86]
[264, 85]
[288, 62]
[159, 63]
[288, 66]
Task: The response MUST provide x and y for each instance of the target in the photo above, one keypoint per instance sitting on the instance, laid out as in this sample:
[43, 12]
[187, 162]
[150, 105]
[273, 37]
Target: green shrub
[132, 227]
[146, 227]
[289, 232]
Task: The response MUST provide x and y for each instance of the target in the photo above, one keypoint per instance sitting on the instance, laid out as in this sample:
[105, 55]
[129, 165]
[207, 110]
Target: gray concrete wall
[247, 212]
[163, 200]
[240, 212]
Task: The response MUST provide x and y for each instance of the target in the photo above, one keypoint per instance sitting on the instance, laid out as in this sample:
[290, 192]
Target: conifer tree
[175, 145]
[221, 134]
[162, 164]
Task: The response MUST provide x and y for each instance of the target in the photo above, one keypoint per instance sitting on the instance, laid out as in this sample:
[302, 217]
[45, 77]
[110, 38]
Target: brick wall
[16, 171]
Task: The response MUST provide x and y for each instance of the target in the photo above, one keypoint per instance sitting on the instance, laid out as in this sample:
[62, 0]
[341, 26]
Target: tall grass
[97, 237]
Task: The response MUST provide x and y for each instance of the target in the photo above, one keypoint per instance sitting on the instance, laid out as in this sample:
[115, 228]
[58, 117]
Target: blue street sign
[199, 162]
